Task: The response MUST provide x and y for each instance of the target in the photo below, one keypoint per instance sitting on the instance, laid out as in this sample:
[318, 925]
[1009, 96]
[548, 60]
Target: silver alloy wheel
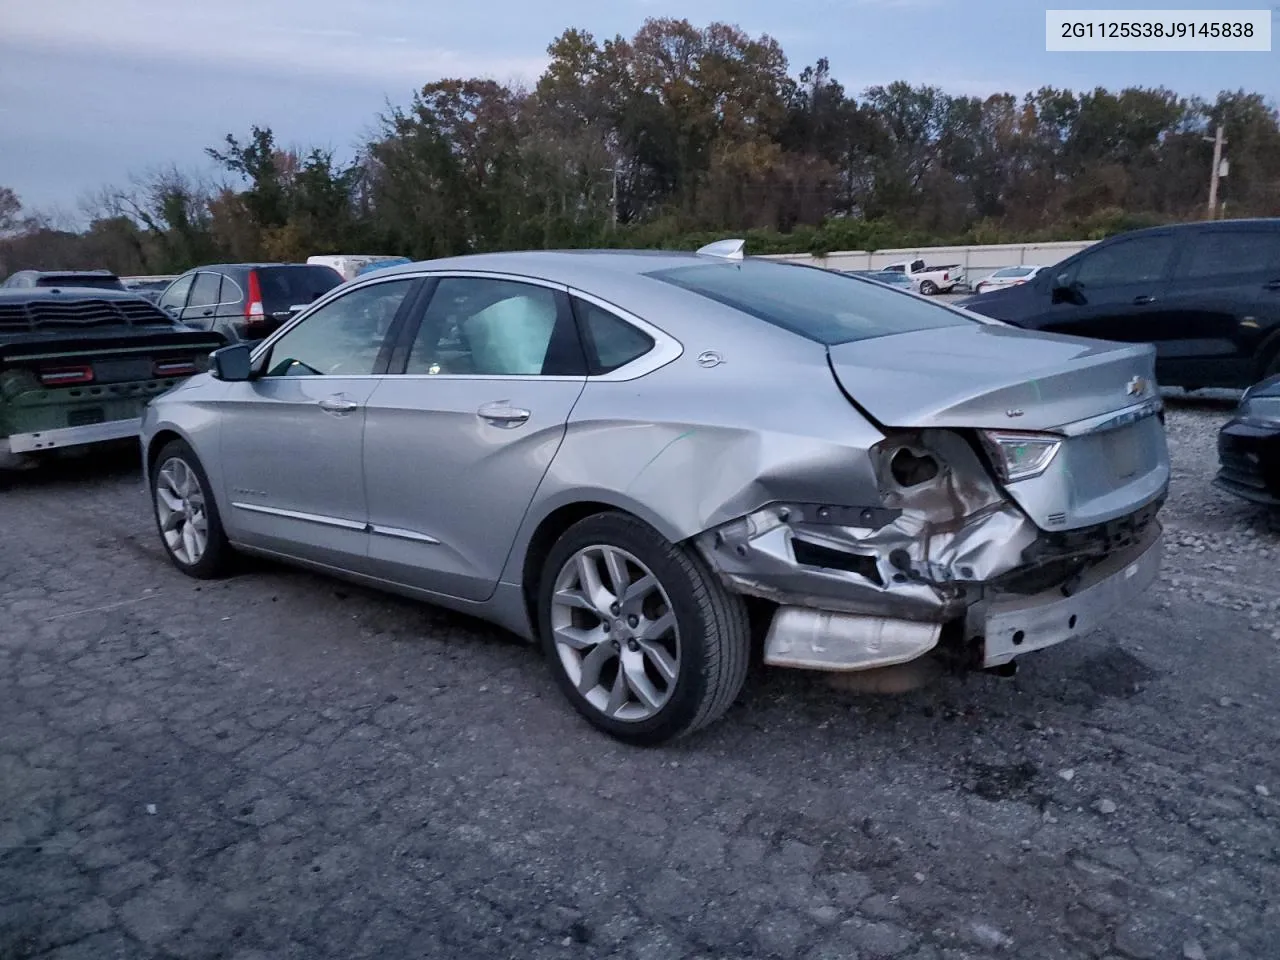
[181, 511]
[616, 633]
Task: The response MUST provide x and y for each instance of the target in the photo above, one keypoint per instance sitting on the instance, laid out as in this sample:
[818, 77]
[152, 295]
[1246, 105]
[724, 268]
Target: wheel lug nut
[633, 620]
[614, 608]
[632, 646]
[605, 626]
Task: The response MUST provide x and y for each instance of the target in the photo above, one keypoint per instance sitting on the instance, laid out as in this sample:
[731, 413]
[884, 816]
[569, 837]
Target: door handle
[1271, 285]
[338, 404]
[502, 413]
[1143, 300]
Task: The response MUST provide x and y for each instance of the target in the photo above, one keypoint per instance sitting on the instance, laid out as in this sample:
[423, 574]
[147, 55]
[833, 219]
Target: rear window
[284, 287]
[817, 304]
[96, 283]
[1012, 272]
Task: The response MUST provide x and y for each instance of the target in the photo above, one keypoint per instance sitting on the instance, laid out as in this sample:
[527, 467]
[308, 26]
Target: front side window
[1139, 260]
[818, 304]
[175, 298]
[497, 328]
[343, 338]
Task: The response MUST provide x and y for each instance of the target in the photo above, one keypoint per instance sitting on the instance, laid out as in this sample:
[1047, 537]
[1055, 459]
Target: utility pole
[613, 200]
[1218, 141]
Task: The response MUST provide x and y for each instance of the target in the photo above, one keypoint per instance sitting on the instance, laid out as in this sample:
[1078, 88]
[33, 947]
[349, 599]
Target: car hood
[1270, 387]
[992, 377]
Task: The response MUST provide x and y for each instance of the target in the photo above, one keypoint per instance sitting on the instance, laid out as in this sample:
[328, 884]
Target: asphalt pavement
[282, 765]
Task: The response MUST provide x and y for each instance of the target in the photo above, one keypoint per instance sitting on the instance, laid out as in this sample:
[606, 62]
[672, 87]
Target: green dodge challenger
[77, 365]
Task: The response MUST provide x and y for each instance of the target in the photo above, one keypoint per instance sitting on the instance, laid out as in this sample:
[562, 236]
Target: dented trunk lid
[982, 375]
[1100, 397]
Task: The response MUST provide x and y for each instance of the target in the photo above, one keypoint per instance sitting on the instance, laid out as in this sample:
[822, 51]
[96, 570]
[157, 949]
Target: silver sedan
[637, 458]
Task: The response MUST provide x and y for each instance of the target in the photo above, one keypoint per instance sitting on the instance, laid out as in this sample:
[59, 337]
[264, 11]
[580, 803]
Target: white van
[347, 264]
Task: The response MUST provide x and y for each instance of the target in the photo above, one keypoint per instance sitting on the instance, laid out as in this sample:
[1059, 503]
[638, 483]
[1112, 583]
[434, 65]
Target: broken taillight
[63, 376]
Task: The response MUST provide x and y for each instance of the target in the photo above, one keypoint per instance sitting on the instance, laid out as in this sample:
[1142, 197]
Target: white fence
[978, 261]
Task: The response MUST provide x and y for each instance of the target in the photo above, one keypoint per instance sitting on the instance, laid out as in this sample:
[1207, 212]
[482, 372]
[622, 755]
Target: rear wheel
[186, 514]
[928, 288]
[641, 637]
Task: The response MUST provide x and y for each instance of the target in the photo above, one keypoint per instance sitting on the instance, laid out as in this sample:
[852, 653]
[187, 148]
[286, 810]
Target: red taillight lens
[62, 376]
[175, 368]
[254, 315]
[945, 276]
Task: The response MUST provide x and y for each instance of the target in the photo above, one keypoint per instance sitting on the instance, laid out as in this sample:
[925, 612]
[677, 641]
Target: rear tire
[928, 288]
[641, 637]
[186, 514]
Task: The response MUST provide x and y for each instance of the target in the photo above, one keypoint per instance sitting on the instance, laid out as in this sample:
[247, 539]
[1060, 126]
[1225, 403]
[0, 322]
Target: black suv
[97, 279]
[245, 301]
[1206, 294]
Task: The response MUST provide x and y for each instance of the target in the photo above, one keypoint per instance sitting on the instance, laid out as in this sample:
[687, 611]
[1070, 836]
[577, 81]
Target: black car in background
[95, 279]
[1249, 446]
[245, 301]
[1206, 294]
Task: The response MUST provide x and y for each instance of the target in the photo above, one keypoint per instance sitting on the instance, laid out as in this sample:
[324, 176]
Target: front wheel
[928, 288]
[186, 514]
[641, 637]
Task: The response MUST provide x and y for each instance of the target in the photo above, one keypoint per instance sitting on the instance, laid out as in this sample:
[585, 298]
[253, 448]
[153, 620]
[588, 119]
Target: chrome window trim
[666, 348]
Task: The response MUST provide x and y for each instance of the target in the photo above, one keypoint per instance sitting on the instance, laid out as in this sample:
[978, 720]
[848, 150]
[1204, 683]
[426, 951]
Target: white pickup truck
[929, 280]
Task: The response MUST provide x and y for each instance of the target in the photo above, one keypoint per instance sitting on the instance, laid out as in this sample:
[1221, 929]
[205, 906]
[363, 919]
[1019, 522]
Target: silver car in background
[619, 454]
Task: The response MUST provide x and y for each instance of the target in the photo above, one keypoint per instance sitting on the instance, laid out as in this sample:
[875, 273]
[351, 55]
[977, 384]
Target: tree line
[672, 137]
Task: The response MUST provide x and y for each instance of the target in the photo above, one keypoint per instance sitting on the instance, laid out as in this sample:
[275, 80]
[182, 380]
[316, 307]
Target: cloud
[286, 36]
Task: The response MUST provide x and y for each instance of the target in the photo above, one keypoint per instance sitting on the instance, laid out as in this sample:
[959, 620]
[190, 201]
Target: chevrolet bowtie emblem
[1137, 387]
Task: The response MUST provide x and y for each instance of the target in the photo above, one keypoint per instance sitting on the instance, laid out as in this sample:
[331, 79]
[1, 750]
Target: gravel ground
[280, 765]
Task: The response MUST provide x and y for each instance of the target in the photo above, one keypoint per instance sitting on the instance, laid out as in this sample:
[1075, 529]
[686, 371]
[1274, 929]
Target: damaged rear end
[1019, 480]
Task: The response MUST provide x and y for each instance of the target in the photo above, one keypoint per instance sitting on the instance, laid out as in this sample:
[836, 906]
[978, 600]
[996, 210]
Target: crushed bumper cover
[1011, 626]
[948, 559]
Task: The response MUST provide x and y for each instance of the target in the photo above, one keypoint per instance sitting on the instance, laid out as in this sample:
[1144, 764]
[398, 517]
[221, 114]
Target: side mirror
[232, 363]
[1063, 292]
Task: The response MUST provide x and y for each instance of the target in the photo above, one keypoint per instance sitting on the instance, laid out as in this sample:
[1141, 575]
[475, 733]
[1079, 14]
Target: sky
[94, 91]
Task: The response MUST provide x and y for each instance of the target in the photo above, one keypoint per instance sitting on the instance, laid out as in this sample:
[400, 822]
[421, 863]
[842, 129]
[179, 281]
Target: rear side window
[611, 341]
[285, 287]
[818, 304]
[230, 292]
[1225, 253]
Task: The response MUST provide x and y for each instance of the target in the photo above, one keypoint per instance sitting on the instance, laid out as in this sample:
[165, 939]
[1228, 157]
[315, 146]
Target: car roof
[68, 273]
[70, 292]
[1212, 226]
[571, 267]
[248, 266]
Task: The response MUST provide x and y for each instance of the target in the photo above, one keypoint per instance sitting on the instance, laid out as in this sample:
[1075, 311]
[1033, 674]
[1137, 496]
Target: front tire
[928, 288]
[641, 637]
[186, 515]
